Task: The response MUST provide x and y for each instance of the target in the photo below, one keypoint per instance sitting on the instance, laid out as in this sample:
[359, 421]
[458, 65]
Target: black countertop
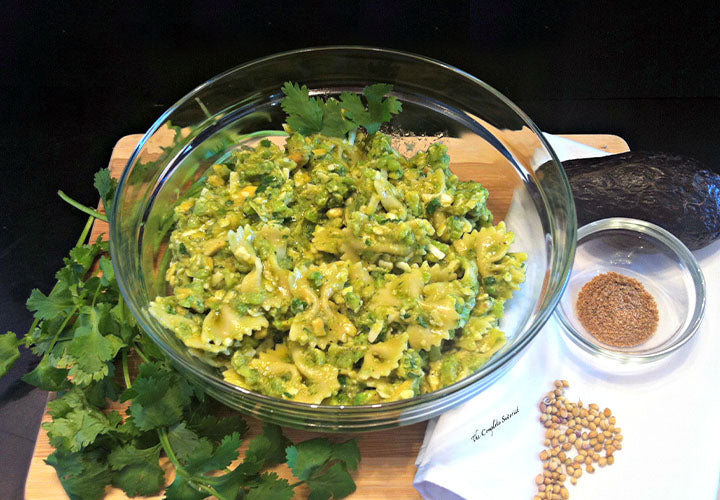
[75, 79]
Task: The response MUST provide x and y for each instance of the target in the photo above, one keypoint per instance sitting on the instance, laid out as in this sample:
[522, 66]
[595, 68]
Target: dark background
[76, 78]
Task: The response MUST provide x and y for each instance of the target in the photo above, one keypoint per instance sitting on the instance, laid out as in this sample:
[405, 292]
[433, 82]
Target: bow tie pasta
[331, 272]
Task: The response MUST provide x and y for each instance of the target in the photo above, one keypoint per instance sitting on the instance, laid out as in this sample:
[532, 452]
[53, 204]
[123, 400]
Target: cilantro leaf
[158, 397]
[271, 486]
[334, 123]
[84, 476]
[309, 462]
[47, 377]
[214, 428]
[40, 339]
[181, 489]
[347, 452]
[150, 348]
[108, 273]
[143, 478]
[79, 427]
[335, 482]
[137, 470]
[9, 352]
[379, 109]
[305, 114]
[98, 392]
[124, 323]
[59, 303]
[308, 456]
[89, 354]
[264, 450]
[354, 108]
[106, 186]
[128, 454]
[269, 447]
[220, 458]
[68, 401]
[83, 256]
[186, 444]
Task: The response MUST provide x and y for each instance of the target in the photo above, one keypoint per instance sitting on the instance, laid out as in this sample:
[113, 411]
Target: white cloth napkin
[668, 411]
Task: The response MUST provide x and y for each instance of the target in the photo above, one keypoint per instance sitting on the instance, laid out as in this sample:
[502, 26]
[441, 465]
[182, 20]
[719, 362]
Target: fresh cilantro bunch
[336, 118]
[84, 332]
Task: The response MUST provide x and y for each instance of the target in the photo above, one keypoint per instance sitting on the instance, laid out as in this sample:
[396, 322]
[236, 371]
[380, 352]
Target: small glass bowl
[657, 259]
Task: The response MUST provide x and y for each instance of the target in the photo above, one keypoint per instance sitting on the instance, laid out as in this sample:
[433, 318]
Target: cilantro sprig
[336, 118]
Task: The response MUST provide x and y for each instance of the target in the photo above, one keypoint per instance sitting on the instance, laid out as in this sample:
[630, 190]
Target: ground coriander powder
[617, 310]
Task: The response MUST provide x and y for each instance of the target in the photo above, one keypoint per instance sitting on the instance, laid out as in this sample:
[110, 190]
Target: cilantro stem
[211, 490]
[33, 326]
[83, 237]
[85, 231]
[126, 369]
[167, 447]
[83, 208]
[140, 353]
[62, 327]
[93, 313]
[204, 109]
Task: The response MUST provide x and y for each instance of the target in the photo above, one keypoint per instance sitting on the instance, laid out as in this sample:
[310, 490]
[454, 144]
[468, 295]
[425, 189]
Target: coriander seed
[588, 430]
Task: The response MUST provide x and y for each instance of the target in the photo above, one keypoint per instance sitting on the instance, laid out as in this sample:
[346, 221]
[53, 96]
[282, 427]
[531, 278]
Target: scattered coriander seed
[586, 429]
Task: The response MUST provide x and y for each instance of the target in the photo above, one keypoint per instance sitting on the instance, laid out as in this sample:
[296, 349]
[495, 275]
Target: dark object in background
[675, 192]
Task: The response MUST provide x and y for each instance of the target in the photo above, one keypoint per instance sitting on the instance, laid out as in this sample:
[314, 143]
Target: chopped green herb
[316, 278]
[432, 206]
[297, 306]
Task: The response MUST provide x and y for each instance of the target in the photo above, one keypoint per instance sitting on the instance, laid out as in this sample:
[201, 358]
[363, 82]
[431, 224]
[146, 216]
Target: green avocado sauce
[336, 271]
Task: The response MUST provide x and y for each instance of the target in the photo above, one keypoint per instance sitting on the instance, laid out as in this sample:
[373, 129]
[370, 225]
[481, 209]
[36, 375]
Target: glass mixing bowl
[490, 140]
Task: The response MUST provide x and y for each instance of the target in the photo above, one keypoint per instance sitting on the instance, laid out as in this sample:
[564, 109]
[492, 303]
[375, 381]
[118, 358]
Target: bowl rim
[680, 250]
[486, 371]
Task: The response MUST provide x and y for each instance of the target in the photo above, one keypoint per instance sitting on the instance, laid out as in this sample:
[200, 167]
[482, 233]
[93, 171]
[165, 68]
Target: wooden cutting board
[388, 457]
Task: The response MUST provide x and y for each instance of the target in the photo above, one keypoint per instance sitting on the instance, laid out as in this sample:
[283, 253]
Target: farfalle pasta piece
[224, 326]
[383, 357]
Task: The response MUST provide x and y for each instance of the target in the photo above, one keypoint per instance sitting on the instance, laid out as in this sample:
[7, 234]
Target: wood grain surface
[387, 468]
